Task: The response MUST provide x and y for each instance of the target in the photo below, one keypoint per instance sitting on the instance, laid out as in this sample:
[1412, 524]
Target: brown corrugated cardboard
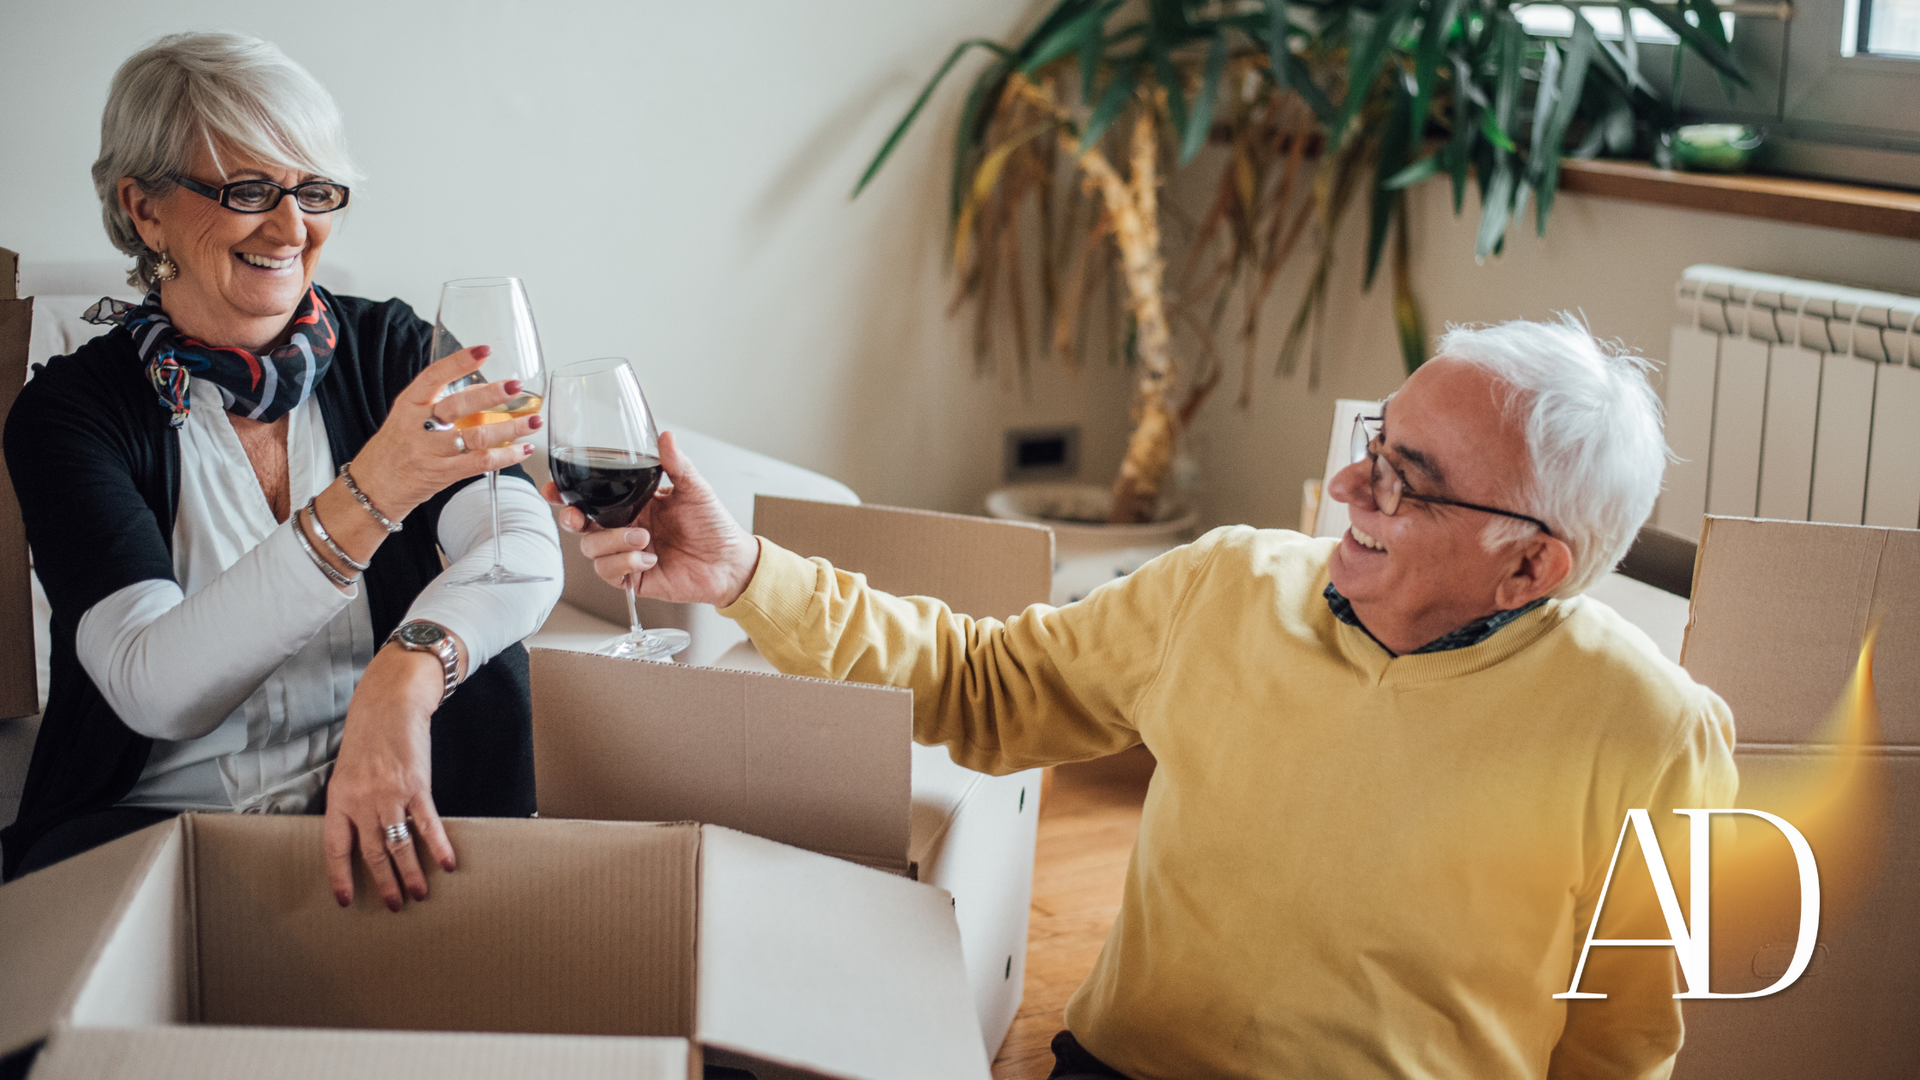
[275, 950]
[820, 765]
[1779, 613]
[211, 1053]
[978, 566]
[794, 964]
[19, 688]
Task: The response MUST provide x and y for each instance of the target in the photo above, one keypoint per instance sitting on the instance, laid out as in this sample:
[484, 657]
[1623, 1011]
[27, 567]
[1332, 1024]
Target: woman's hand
[405, 464]
[384, 775]
[688, 547]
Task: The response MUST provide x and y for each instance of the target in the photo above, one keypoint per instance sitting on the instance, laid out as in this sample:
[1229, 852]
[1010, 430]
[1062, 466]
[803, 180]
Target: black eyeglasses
[260, 196]
[1389, 487]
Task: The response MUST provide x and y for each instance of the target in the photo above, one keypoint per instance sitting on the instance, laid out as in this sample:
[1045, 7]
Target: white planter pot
[1088, 552]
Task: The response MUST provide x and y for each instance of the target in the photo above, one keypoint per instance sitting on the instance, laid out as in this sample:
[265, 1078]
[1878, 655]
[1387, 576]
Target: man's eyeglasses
[1389, 487]
[260, 196]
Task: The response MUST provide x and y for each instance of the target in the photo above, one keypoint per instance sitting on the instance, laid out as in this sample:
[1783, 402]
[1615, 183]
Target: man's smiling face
[1421, 572]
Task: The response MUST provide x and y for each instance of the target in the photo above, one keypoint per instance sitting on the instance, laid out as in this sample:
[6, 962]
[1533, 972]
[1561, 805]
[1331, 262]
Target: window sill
[1880, 211]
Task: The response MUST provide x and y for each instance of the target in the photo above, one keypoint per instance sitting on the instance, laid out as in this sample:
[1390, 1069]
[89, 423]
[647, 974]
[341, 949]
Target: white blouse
[241, 673]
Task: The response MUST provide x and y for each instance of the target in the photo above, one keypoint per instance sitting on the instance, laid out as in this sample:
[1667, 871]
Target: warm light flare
[1834, 790]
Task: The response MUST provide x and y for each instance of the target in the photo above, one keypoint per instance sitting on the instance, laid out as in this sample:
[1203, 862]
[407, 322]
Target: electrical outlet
[1043, 454]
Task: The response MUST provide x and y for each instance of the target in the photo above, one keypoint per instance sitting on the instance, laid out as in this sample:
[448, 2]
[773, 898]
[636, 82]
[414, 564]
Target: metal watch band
[444, 649]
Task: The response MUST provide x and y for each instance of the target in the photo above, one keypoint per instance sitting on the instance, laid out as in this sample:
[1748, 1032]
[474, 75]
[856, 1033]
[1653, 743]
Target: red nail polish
[343, 901]
[481, 352]
[512, 387]
[535, 423]
[393, 905]
[525, 450]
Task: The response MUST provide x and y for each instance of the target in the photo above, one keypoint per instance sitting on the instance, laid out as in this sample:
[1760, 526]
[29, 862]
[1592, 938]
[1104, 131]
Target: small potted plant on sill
[1066, 138]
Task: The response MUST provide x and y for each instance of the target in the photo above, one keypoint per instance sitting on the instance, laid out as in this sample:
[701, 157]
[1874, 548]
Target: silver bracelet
[366, 504]
[313, 515]
[326, 568]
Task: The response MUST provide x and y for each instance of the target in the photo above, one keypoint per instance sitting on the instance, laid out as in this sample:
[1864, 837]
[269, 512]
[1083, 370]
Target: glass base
[498, 575]
[646, 645]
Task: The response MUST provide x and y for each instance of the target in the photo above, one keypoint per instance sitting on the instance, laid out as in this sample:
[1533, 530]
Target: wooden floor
[1087, 823]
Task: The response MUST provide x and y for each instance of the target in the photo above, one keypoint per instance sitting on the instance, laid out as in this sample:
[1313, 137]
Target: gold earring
[166, 269]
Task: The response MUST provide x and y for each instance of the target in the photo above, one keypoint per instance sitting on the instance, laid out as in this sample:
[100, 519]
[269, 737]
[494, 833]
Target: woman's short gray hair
[227, 91]
[1593, 432]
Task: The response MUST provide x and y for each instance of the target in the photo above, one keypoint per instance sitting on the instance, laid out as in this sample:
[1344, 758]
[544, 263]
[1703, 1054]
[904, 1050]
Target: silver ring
[460, 441]
[397, 834]
[433, 424]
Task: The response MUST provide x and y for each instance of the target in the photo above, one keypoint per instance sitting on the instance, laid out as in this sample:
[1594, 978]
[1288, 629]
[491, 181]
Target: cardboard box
[1779, 612]
[733, 949]
[972, 834]
[19, 681]
[820, 765]
[826, 766]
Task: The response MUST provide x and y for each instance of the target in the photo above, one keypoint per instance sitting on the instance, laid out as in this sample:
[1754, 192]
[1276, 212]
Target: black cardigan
[97, 471]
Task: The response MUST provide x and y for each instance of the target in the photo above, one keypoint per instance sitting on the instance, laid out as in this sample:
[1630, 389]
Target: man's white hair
[232, 93]
[1593, 432]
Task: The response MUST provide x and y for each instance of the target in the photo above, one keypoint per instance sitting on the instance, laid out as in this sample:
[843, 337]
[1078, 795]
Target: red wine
[609, 486]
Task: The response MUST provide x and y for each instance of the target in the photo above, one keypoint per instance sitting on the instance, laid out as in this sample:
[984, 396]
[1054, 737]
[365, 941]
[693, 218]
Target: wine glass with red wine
[605, 459]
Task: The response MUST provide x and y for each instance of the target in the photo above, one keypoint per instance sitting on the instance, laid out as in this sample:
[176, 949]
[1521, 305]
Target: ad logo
[1691, 945]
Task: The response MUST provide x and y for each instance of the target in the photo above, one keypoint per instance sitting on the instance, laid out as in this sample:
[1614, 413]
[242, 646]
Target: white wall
[670, 179]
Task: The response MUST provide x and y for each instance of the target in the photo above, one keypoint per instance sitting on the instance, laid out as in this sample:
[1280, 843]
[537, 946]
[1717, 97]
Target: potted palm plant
[1066, 138]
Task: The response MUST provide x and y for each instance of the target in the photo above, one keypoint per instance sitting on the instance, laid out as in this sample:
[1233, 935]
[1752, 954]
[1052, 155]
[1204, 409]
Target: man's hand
[685, 545]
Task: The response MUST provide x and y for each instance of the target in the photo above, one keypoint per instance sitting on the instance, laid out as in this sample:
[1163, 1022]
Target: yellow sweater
[1350, 865]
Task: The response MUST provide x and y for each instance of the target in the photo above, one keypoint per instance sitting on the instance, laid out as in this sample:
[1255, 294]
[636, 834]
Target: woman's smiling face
[241, 275]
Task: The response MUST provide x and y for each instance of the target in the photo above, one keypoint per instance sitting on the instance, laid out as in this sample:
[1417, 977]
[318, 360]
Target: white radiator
[1791, 399]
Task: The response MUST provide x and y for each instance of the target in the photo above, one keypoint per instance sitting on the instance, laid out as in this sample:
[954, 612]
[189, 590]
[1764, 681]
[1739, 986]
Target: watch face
[421, 633]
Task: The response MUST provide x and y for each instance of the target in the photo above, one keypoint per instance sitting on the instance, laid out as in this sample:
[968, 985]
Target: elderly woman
[237, 500]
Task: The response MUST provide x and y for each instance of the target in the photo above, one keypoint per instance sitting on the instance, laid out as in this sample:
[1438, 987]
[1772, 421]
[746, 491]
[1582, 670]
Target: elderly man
[1392, 768]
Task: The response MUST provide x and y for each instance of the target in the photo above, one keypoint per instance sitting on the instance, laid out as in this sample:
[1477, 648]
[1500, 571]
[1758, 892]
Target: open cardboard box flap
[835, 975]
[821, 765]
[548, 928]
[1779, 611]
[216, 1053]
[55, 923]
[978, 566]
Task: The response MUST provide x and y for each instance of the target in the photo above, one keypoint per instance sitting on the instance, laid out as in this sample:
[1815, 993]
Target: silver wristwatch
[430, 637]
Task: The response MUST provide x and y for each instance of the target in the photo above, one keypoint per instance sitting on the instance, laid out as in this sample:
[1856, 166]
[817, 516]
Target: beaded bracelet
[326, 568]
[366, 504]
[313, 515]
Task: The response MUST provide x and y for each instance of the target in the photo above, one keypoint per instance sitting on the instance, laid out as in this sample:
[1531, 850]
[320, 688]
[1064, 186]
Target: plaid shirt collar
[1473, 633]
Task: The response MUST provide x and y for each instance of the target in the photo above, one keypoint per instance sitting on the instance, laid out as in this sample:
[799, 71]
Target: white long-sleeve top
[241, 673]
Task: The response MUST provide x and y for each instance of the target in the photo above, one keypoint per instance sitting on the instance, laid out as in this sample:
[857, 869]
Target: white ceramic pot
[1089, 552]
[1077, 515]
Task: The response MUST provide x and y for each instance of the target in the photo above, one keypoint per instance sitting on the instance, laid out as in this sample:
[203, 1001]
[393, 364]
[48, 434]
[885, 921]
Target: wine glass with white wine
[605, 456]
[493, 312]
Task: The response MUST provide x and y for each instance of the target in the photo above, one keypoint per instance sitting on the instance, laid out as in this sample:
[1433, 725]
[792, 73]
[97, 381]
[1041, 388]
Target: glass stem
[633, 610]
[493, 498]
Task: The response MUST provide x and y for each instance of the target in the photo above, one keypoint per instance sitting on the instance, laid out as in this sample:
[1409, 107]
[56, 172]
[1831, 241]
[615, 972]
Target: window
[1881, 28]
[1836, 83]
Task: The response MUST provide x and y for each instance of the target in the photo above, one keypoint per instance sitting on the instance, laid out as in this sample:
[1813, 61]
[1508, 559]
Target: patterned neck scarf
[261, 388]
